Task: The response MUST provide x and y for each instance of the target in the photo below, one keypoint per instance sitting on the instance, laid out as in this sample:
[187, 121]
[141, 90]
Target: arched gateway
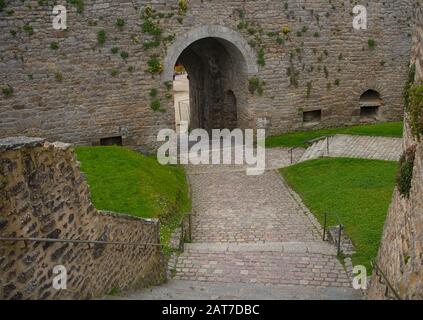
[218, 62]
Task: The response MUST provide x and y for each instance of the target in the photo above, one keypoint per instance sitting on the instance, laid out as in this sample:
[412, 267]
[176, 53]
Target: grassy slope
[124, 181]
[299, 139]
[359, 191]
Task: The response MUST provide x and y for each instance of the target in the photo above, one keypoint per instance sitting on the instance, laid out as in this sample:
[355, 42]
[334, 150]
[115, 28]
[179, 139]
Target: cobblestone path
[252, 239]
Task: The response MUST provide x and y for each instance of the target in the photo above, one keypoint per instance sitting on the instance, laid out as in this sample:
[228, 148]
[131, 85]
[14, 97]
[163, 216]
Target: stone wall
[401, 251]
[68, 87]
[44, 195]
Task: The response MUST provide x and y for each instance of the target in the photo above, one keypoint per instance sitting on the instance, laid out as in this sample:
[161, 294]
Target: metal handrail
[77, 241]
[310, 142]
[379, 271]
[291, 151]
[340, 228]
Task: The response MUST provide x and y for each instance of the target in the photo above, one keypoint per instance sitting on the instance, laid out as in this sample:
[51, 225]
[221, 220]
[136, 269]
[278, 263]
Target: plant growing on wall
[256, 85]
[405, 171]
[58, 76]
[415, 109]
[156, 105]
[260, 60]
[101, 37]
[2, 5]
[183, 7]
[154, 65]
[7, 91]
[120, 23]
[153, 93]
[371, 43]
[124, 55]
[28, 29]
[408, 85]
[54, 45]
[78, 4]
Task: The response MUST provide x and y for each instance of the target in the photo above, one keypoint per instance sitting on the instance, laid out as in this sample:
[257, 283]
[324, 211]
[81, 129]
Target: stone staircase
[252, 239]
[349, 146]
[271, 271]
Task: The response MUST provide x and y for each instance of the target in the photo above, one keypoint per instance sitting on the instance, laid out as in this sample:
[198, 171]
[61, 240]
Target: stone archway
[218, 62]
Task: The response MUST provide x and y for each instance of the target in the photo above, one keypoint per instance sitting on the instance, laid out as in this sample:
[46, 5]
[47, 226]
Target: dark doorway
[217, 83]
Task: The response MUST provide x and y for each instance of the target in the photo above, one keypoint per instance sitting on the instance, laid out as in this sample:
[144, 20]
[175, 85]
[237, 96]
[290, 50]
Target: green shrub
[153, 93]
[58, 76]
[7, 91]
[408, 85]
[260, 60]
[154, 65]
[337, 82]
[114, 50]
[54, 45]
[183, 7]
[405, 171]
[114, 73]
[78, 4]
[148, 44]
[13, 33]
[280, 40]
[256, 85]
[131, 69]
[415, 109]
[156, 105]
[28, 29]
[2, 5]
[124, 55]
[120, 23]
[371, 43]
[101, 37]
[149, 27]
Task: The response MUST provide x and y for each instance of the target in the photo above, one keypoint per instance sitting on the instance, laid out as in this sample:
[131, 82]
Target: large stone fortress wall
[401, 250]
[44, 195]
[82, 92]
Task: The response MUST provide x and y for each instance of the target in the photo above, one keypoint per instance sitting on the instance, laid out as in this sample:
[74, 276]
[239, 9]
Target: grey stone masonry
[66, 85]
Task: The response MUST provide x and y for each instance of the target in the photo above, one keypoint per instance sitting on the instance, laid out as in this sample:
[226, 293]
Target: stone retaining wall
[68, 87]
[44, 195]
[401, 252]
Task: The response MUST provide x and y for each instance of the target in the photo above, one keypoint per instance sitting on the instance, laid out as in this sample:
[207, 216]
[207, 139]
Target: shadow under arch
[218, 62]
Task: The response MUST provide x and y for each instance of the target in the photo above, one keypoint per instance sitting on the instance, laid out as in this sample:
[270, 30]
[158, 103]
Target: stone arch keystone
[209, 31]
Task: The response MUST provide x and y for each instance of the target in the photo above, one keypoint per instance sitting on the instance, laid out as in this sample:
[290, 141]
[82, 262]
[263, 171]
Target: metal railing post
[324, 226]
[327, 145]
[339, 239]
[182, 240]
[190, 226]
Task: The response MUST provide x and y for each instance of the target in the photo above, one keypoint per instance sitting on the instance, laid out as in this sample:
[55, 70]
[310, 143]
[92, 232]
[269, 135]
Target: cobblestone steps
[196, 290]
[363, 147]
[285, 264]
[252, 239]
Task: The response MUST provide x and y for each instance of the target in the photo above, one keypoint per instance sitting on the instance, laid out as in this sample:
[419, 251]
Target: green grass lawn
[300, 139]
[359, 191]
[125, 181]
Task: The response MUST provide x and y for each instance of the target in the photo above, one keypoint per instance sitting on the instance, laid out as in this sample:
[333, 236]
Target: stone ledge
[19, 142]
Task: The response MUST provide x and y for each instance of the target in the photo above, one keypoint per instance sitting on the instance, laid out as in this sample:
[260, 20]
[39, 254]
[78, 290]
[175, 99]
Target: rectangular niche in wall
[111, 141]
[369, 112]
[312, 116]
